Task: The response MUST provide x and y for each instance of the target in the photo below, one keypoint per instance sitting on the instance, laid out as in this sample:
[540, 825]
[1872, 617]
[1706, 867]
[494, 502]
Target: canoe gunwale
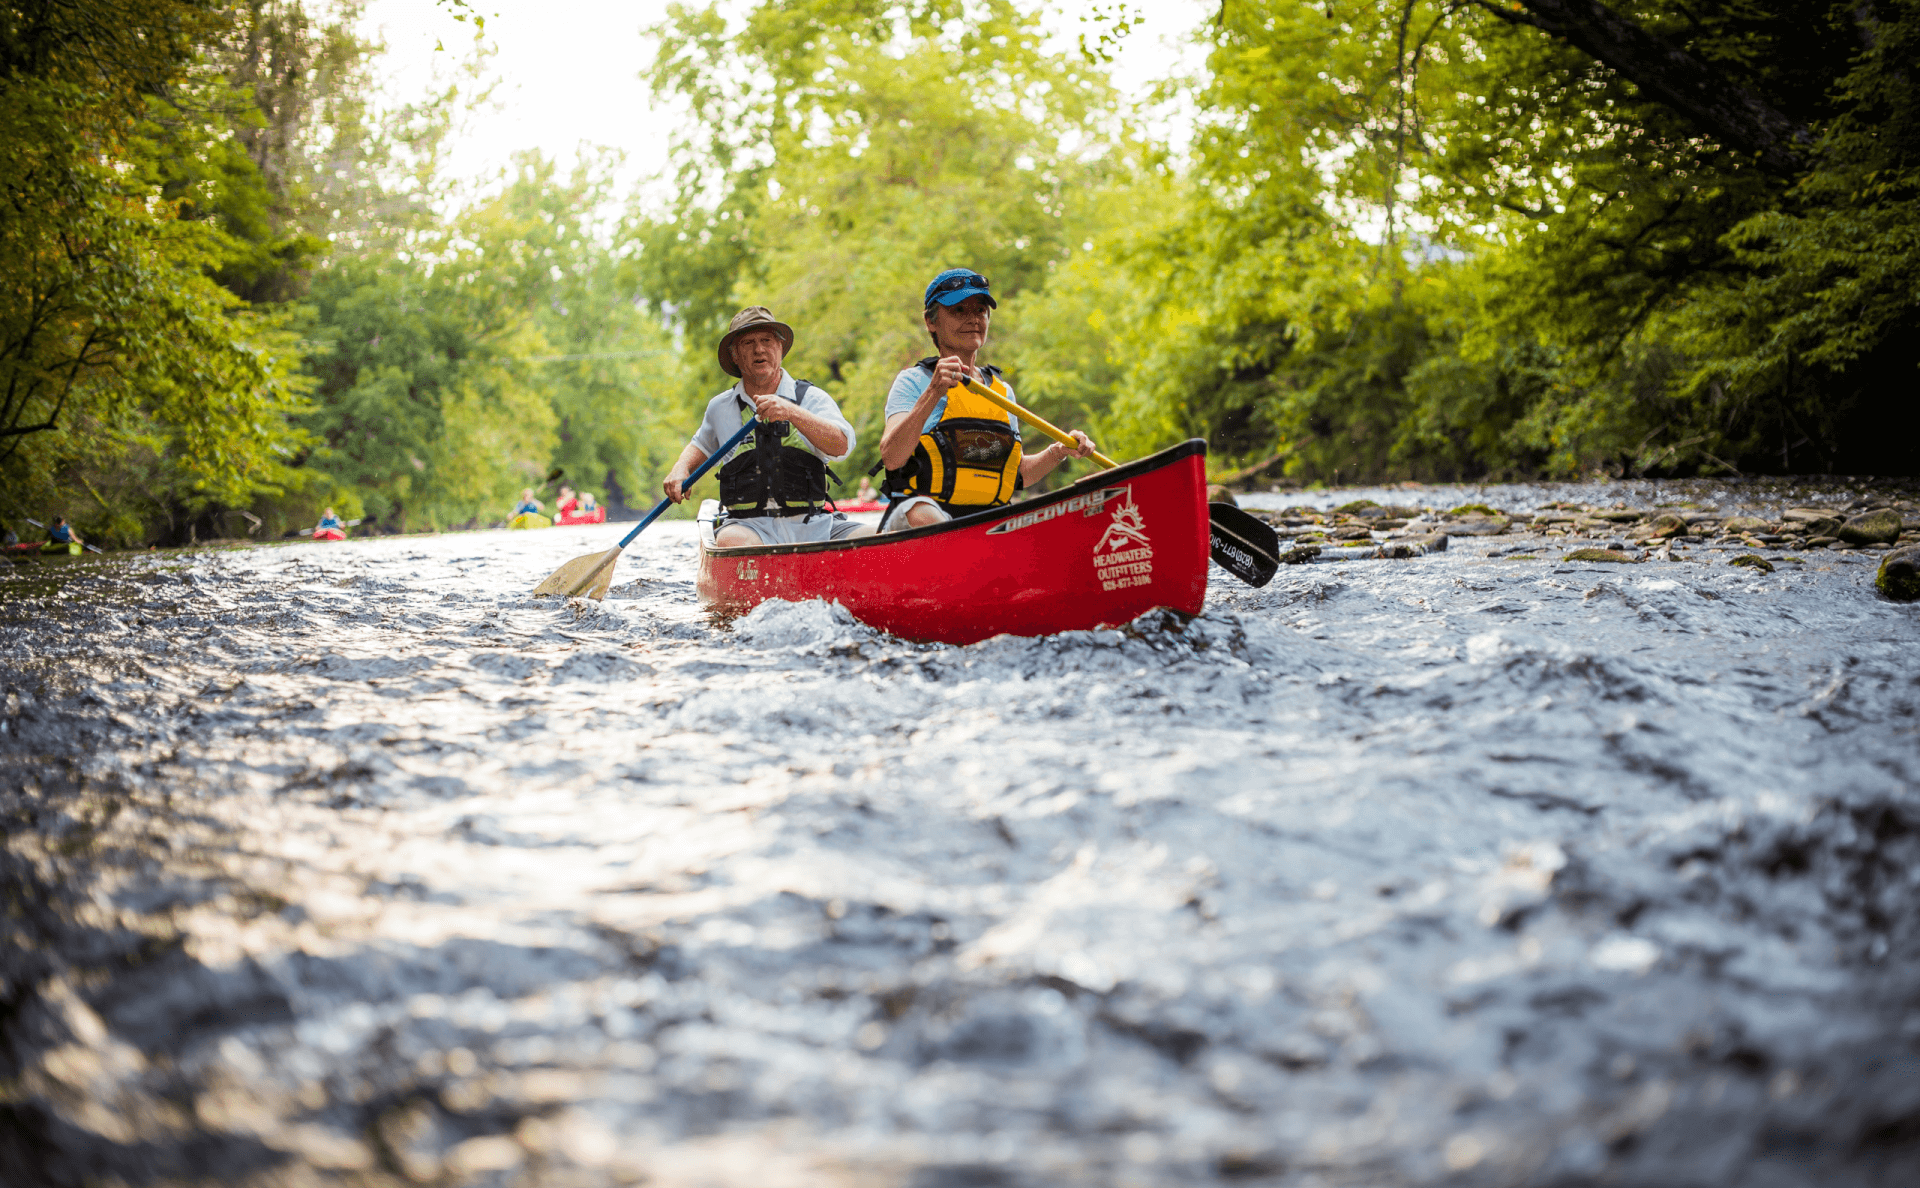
[1092, 482]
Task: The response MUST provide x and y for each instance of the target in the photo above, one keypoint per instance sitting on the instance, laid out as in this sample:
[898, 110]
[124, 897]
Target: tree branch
[23, 430]
[1668, 74]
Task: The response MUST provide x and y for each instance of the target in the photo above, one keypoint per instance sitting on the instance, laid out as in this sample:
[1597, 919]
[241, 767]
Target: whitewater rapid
[353, 864]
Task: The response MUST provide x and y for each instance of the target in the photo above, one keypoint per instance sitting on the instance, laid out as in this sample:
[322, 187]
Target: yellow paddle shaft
[1059, 435]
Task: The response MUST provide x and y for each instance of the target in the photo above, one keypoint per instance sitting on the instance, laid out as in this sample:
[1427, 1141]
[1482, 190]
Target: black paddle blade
[1245, 547]
[553, 476]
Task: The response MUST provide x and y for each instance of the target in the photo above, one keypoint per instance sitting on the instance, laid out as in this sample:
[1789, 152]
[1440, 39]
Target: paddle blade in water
[582, 577]
[1245, 547]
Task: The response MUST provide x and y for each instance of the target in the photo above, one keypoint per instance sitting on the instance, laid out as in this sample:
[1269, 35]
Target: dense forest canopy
[1410, 240]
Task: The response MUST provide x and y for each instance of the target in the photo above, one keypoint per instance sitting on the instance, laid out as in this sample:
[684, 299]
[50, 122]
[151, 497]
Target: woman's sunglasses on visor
[952, 284]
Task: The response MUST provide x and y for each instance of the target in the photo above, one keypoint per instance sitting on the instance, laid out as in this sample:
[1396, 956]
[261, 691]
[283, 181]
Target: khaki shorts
[894, 519]
[808, 529]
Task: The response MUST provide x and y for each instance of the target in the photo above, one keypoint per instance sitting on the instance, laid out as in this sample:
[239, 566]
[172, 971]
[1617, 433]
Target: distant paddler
[526, 513]
[330, 527]
[773, 487]
[948, 452]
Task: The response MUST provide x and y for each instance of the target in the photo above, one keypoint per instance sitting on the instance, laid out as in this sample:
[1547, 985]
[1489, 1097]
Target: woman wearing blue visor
[947, 451]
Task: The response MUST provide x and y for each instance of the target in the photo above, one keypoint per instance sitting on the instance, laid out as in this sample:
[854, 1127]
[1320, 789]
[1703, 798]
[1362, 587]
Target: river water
[352, 864]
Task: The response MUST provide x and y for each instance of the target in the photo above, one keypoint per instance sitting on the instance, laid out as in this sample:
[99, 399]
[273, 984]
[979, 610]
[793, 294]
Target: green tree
[845, 150]
[114, 341]
[1667, 237]
[499, 342]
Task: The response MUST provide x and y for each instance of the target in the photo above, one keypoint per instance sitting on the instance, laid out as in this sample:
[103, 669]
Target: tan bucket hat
[754, 317]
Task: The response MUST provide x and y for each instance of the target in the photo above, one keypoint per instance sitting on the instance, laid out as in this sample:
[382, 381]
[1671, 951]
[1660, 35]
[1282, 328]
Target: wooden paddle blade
[602, 581]
[1245, 547]
[579, 576]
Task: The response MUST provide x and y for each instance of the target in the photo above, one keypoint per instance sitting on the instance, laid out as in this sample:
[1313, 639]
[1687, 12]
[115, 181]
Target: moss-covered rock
[1299, 554]
[1743, 524]
[1753, 561]
[1669, 525]
[1899, 576]
[1357, 505]
[1219, 494]
[1874, 527]
[1612, 556]
[1826, 526]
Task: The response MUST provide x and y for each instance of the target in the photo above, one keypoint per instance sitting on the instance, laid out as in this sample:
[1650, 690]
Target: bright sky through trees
[570, 71]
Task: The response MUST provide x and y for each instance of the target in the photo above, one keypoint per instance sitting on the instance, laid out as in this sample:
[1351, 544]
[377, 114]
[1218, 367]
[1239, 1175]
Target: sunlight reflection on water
[354, 859]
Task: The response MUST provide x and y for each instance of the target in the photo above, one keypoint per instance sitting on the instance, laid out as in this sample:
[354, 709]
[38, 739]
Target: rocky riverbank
[352, 865]
[1873, 523]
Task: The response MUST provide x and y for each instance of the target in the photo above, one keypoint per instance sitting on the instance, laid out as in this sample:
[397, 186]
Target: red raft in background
[329, 534]
[1097, 553]
[574, 515]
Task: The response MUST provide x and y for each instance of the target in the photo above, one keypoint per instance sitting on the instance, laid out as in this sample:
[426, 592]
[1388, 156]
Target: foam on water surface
[352, 863]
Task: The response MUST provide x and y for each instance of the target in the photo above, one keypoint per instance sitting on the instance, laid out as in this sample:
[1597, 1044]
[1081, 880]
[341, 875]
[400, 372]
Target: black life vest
[971, 457]
[792, 480]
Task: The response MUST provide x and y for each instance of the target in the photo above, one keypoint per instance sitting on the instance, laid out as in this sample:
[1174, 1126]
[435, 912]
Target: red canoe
[1100, 552]
[329, 534]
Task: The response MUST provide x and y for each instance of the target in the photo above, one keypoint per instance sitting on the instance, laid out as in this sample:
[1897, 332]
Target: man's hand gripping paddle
[1245, 547]
[590, 576]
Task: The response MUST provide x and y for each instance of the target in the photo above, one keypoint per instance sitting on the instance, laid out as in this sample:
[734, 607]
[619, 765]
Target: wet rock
[1753, 561]
[1361, 507]
[1414, 546]
[1612, 556]
[1219, 494]
[1826, 526]
[1620, 516]
[1666, 526]
[1875, 527]
[1300, 554]
[1737, 524]
[1475, 527]
[1899, 575]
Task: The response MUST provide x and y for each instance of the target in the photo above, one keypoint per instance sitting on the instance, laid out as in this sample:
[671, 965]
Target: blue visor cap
[956, 285]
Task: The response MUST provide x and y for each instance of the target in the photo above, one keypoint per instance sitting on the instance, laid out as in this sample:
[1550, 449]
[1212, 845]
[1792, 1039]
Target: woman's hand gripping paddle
[590, 576]
[1245, 547]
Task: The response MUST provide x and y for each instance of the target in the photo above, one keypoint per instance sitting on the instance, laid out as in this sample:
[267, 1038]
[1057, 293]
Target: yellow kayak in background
[530, 520]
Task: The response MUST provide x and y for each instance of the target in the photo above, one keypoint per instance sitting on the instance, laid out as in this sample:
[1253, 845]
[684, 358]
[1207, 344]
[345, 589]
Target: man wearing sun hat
[948, 452]
[774, 485]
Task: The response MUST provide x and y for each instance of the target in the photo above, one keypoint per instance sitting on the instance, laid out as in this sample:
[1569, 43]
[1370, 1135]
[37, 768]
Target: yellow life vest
[970, 459]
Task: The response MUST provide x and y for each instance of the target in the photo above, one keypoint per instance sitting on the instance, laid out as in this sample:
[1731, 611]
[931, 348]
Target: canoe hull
[1099, 552]
[329, 534]
[529, 520]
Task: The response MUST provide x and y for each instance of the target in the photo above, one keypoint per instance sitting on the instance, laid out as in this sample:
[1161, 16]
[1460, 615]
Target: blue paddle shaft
[699, 470]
